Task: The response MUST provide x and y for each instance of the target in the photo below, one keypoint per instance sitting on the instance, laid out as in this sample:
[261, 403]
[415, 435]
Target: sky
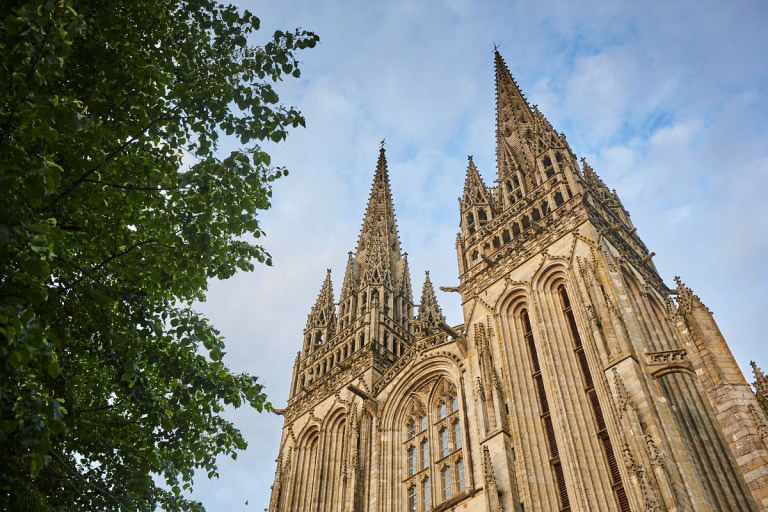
[665, 100]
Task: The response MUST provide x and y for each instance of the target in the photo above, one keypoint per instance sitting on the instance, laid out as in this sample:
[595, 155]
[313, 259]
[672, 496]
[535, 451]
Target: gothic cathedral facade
[575, 383]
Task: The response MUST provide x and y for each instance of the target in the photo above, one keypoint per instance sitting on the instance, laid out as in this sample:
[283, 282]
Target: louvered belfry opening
[546, 418]
[589, 388]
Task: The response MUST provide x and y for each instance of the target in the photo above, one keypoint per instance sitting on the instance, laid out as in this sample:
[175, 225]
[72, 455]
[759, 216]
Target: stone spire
[405, 281]
[378, 236]
[323, 312]
[476, 203]
[475, 191]
[430, 315]
[322, 318]
[515, 125]
[351, 278]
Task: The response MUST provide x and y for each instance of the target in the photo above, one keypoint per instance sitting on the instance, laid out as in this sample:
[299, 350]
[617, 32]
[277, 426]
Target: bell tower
[609, 390]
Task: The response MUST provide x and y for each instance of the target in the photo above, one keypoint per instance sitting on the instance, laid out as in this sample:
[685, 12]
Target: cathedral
[578, 381]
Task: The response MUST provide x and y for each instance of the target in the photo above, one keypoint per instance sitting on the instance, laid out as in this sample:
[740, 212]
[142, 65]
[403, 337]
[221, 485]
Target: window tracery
[433, 447]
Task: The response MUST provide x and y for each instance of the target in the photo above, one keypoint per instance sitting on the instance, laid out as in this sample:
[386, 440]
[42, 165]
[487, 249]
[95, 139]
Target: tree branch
[101, 265]
[80, 477]
[111, 155]
[130, 187]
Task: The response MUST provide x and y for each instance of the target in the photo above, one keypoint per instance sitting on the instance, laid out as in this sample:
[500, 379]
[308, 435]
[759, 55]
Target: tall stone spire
[515, 125]
[430, 315]
[523, 135]
[378, 236]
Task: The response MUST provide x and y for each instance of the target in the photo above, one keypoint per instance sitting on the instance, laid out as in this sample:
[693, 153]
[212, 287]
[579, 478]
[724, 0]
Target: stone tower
[575, 382]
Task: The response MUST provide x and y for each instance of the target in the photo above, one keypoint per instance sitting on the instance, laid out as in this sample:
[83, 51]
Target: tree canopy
[112, 386]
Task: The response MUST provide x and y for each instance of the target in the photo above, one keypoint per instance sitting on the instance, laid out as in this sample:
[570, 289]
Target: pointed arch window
[457, 434]
[445, 479]
[546, 419]
[443, 441]
[549, 169]
[594, 401]
[433, 448]
[424, 453]
[411, 461]
[412, 503]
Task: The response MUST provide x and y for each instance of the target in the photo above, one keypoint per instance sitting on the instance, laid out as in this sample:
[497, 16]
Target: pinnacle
[430, 314]
[326, 292]
[323, 311]
[405, 282]
[474, 187]
[759, 375]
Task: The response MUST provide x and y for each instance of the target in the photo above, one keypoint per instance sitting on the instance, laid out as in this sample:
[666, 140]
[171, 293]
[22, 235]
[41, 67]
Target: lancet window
[513, 190]
[549, 169]
[544, 412]
[589, 389]
[434, 447]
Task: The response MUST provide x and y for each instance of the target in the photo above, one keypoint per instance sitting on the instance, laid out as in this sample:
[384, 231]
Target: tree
[112, 386]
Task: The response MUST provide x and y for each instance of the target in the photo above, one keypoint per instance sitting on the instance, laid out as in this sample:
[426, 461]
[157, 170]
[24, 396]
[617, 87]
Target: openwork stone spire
[515, 125]
[430, 315]
[378, 235]
[323, 312]
[475, 191]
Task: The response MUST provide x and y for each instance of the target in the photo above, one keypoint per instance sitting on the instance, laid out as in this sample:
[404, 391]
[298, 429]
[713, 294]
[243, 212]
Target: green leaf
[106, 237]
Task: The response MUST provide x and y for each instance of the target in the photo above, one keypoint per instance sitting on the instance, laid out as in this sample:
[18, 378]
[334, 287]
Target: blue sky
[666, 101]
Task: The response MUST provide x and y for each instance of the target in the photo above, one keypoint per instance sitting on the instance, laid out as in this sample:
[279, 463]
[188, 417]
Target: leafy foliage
[111, 386]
